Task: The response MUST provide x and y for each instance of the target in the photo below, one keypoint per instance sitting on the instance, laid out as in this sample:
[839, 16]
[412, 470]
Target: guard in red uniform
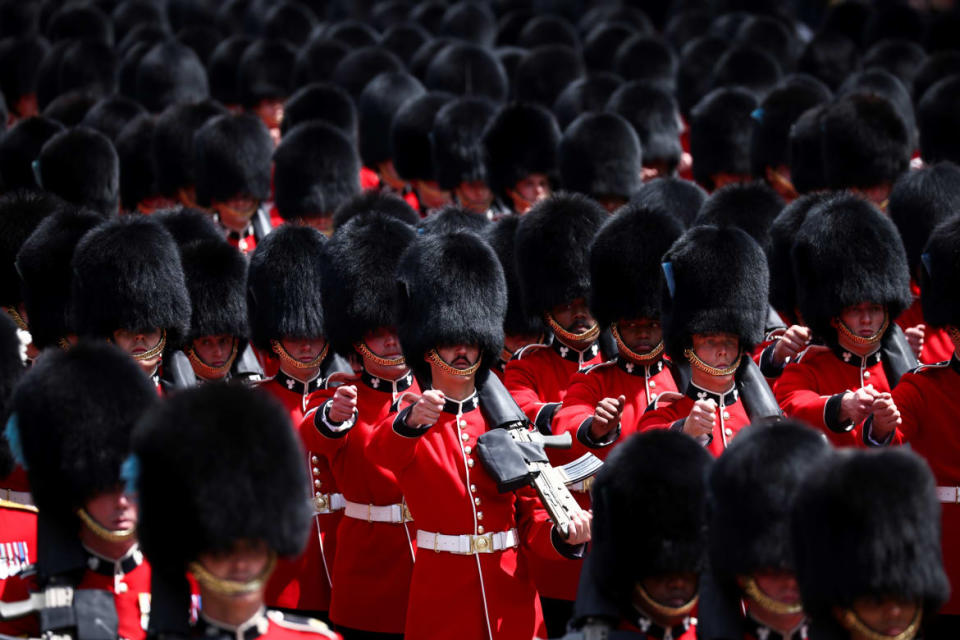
[411, 151]
[172, 152]
[286, 322]
[71, 419]
[375, 546]
[600, 156]
[714, 308]
[458, 154]
[552, 251]
[852, 282]
[470, 579]
[642, 575]
[222, 520]
[752, 590]
[128, 287]
[604, 402]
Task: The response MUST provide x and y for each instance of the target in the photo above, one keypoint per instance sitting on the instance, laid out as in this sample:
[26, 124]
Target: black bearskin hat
[362, 65]
[173, 143]
[381, 99]
[170, 73]
[769, 139]
[232, 158]
[648, 58]
[587, 93]
[940, 275]
[720, 128]
[46, 272]
[74, 412]
[783, 231]
[127, 275]
[469, 21]
[188, 225]
[81, 166]
[110, 115]
[750, 206]
[502, 237]
[452, 218]
[553, 250]
[359, 277]
[520, 140]
[403, 39]
[284, 297]
[680, 198]
[467, 70]
[867, 523]
[222, 69]
[846, 252]
[716, 281]
[600, 156]
[936, 119]
[452, 290]
[316, 170]
[318, 59]
[543, 73]
[649, 513]
[655, 117]
[216, 277]
[265, 71]
[748, 67]
[756, 481]
[919, 201]
[20, 58]
[11, 368]
[455, 140]
[806, 151]
[410, 136]
[134, 144]
[255, 488]
[20, 146]
[324, 102]
[695, 72]
[20, 214]
[625, 274]
[382, 202]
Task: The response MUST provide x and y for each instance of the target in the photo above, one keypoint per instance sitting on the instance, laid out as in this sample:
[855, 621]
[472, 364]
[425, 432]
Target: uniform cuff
[768, 367]
[544, 418]
[868, 438]
[677, 425]
[583, 435]
[831, 415]
[401, 428]
[329, 428]
[570, 551]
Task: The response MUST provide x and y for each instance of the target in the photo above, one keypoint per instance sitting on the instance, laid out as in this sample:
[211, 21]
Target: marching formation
[491, 319]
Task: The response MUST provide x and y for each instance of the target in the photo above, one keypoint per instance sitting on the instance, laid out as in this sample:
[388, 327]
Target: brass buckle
[481, 544]
[405, 514]
[321, 502]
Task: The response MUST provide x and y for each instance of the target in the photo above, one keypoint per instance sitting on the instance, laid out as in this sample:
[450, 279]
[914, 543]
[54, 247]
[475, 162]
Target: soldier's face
[529, 191]
[864, 319]
[383, 342]
[670, 590]
[474, 196]
[640, 334]
[136, 342]
[113, 510]
[236, 213]
[887, 615]
[716, 349]
[214, 350]
[303, 349]
[574, 316]
[461, 356]
[245, 560]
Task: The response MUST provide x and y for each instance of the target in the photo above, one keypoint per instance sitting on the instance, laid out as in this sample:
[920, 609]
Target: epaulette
[932, 365]
[599, 365]
[8, 504]
[530, 348]
[300, 623]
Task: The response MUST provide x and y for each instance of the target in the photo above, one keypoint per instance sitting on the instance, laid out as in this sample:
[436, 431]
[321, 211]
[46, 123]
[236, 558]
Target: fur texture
[81, 166]
[455, 141]
[720, 127]
[939, 134]
[520, 140]
[783, 288]
[501, 236]
[232, 158]
[321, 101]
[655, 116]
[410, 136]
[20, 214]
[216, 277]
[769, 139]
[188, 225]
[940, 275]
[11, 368]
[170, 73]
[20, 146]
[467, 70]
[600, 155]
[378, 201]
[381, 99]
[919, 201]
[362, 65]
[680, 198]
[173, 144]
[750, 206]
[544, 72]
[264, 71]
[453, 218]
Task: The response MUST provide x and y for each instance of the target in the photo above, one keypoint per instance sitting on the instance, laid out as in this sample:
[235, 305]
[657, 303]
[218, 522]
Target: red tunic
[374, 560]
[731, 416]
[18, 550]
[937, 346]
[471, 596]
[811, 387]
[245, 241]
[129, 581]
[303, 583]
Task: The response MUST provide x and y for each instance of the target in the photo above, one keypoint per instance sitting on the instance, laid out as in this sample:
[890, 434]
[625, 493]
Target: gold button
[463, 423]
[653, 384]
[481, 543]
[467, 449]
[479, 515]
[866, 374]
[729, 432]
[480, 530]
[316, 470]
[314, 460]
[653, 396]
[122, 587]
[317, 483]
[473, 488]
[476, 501]
[464, 436]
[470, 462]
[726, 415]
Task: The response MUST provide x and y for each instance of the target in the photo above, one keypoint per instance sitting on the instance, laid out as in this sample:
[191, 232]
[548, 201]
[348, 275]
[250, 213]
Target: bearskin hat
[625, 274]
[381, 99]
[769, 139]
[216, 277]
[655, 117]
[46, 273]
[750, 206]
[881, 83]
[292, 21]
[649, 513]
[316, 170]
[381, 202]
[20, 146]
[134, 144]
[545, 72]
[756, 481]
[902, 58]
[680, 198]
[20, 214]
[188, 225]
[648, 58]
[602, 42]
[939, 134]
[940, 275]
[695, 73]
[403, 39]
[452, 218]
[265, 71]
[600, 156]
[455, 141]
[501, 236]
[127, 275]
[110, 115]
[170, 73]
[720, 128]
[867, 523]
[410, 136]
[222, 68]
[589, 92]
[70, 108]
[467, 70]
[11, 368]
[73, 414]
[362, 65]
[520, 140]
[864, 142]
[716, 281]
[846, 252]
[359, 277]
[553, 250]
[324, 102]
[20, 58]
[919, 201]
[173, 143]
[212, 502]
[783, 231]
[81, 166]
[469, 21]
[452, 290]
[806, 150]
[547, 29]
[749, 68]
[353, 33]
[232, 158]
[317, 60]
[829, 56]
[284, 296]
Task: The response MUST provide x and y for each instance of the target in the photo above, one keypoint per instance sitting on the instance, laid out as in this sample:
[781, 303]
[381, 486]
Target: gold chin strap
[845, 331]
[642, 359]
[206, 371]
[852, 622]
[120, 535]
[697, 363]
[434, 357]
[64, 344]
[365, 351]
[150, 354]
[232, 588]
[17, 318]
[663, 610]
[755, 593]
[954, 333]
[285, 356]
[572, 338]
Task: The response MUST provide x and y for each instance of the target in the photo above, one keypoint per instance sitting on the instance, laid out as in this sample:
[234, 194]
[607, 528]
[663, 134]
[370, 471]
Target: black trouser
[556, 615]
[356, 634]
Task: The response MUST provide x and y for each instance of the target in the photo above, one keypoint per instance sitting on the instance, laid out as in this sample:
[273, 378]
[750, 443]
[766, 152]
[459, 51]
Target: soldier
[458, 155]
[172, 149]
[20, 146]
[470, 580]
[411, 151]
[653, 112]
[224, 519]
[81, 166]
[263, 81]
[720, 127]
[642, 574]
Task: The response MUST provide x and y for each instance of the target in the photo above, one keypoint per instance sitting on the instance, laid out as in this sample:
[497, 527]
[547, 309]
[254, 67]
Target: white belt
[466, 545]
[584, 486]
[20, 497]
[395, 513]
[949, 495]
[328, 503]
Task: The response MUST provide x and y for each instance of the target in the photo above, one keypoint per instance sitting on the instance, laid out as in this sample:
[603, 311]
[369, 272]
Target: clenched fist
[427, 409]
[701, 419]
[606, 417]
[343, 403]
[791, 343]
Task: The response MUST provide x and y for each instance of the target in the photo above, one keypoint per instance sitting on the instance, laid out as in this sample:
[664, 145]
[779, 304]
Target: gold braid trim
[845, 331]
[642, 359]
[852, 622]
[120, 535]
[232, 588]
[697, 363]
[434, 357]
[64, 344]
[285, 356]
[755, 593]
[149, 354]
[954, 333]
[209, 372]
[365, 351]
[586, 337]
[17, 318]
[663, 610]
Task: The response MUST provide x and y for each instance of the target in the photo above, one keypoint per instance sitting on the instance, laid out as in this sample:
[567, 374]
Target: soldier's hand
[606, 417]
[857, 405]
[791, 343]
[915, 338]
[579, 530]
[343, 403]
[701, 419]
[427, 409]
[886, 416]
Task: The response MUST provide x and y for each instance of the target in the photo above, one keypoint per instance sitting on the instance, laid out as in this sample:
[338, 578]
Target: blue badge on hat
[668, 276]
[925, 259]
[12, 434]
[757, 114]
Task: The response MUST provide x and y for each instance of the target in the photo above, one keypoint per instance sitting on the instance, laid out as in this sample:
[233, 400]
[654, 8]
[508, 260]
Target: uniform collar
[853, 359]
[762, 632]
[382, 384]
[635, 369]
[297, 386]
[573, 355]
[654, 631]
[725, 399]
[249, 630]
[119, 567]
[240, 235]
[462, 406]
